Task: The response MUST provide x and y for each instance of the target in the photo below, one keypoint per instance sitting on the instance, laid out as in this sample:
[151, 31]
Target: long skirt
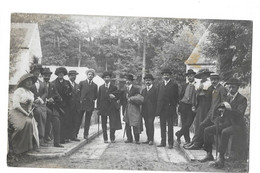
[25, 132]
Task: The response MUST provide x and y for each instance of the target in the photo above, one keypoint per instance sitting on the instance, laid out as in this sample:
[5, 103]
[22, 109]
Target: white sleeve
[17, 98]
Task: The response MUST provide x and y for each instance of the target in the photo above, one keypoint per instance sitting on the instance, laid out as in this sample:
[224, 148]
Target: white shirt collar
[129, 87]
[166, 82]
[149, 87]
[107, 85]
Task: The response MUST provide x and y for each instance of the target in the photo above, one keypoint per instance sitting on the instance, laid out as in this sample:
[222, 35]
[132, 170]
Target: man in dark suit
[64, 89]
[166, 106]
[187, 107]
[149, 107]
[234, 110]
[40, 93]
[130, 91]
[88, 95]
[219, 94]
[108, 106]
[74, 111]
[53, 111]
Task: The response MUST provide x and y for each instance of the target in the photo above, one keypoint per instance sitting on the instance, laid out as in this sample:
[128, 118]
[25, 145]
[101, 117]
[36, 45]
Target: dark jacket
[167, 99]
[54, 107]
[42, 93]
[193, 96]
[150, 101]
[105, 104]
[74, 97]
[88, 95]
[64, 89]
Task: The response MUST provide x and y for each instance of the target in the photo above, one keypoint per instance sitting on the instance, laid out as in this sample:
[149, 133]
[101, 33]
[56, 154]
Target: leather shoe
[208, 157]
[192, 147]
[150, 142]
[85, 136]
[179, 140]
[137, 142]
[75, 139]
[127, 141]
[170, 146]
[146, 142]
[58, 145]
[161, 145]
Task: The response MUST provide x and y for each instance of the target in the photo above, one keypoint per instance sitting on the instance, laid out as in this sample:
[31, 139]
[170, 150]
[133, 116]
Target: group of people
[44, 110]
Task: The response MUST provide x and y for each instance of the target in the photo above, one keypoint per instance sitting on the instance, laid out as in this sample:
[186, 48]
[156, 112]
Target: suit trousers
[129, 133]
[149, 126]
[75, 123]
[209, 134]
[187, 118]
[68, 123]
[199, 135]
[88, 115]
[225, 135]
[40, 115]
[55, 124]
[104, 129]
[169, 120]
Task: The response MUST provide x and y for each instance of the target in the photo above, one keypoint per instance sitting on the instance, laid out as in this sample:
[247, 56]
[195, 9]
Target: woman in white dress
[25, 134]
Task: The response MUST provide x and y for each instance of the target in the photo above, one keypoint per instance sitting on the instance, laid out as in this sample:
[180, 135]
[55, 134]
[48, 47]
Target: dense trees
[138, 45]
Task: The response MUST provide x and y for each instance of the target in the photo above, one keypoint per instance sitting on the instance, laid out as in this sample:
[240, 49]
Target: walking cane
[124, 132]
[98, 124]
[217, 127]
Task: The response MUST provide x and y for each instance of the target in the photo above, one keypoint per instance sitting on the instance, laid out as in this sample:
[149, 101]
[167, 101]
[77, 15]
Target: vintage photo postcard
[129, 93]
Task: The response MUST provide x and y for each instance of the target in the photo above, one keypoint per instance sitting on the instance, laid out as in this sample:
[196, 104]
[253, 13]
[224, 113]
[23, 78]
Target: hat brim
[190, 73]
[149, 78]
[166, 72]
[198, 75]
[33, 78]
[73, 73]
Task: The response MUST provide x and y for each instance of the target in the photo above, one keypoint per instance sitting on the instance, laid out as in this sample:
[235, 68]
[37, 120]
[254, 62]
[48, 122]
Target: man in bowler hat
[108, 107]
[149, 107]
[166, 106]
[187, 107]
[88, 95]
[129, 91]
[73, 106]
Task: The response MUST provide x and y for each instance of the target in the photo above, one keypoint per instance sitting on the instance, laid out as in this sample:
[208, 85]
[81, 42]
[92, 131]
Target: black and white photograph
[129, 92]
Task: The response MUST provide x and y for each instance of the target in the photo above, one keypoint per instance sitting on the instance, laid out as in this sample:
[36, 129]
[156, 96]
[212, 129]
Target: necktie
[89, 82]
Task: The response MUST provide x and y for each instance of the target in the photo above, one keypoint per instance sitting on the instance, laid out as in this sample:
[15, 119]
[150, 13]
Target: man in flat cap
[166, 106]
[149, 107]
[74, 109]
[64, 89]
[234, 110]
[135, 122]
[54, 112]
[187, 107]
[108, 106]
[88, 95]
[40, 93]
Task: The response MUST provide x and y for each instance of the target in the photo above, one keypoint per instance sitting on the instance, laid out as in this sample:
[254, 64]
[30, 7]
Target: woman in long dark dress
[25, 134]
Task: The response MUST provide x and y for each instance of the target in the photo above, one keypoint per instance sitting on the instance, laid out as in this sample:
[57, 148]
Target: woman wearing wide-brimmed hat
[24, 136]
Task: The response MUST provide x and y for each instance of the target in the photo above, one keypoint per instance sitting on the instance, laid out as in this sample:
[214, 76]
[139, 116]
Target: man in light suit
[149, 107]
[108, 107]
[166, 106]
[88, 95]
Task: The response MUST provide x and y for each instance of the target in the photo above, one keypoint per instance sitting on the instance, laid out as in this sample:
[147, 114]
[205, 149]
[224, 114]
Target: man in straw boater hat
[74, 109]
[40, 93]
[108, 106]
[203, 93]
[234, 111]
[131, 117]
[88, 95]
[54, 112]
[166, 106]
[64, 89]
[187, 107]
[149, 107]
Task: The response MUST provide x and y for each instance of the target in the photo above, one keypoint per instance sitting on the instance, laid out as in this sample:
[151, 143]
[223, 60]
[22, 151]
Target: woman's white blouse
[22, 95]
